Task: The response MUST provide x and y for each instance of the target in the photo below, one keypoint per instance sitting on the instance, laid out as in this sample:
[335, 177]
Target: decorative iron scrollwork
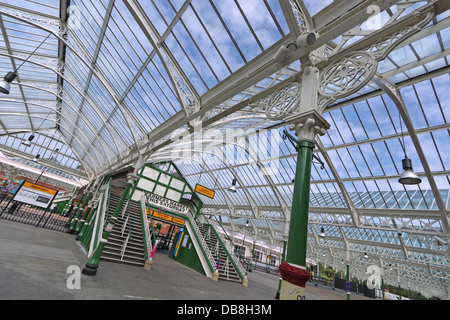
[284, 102]
[347, 75]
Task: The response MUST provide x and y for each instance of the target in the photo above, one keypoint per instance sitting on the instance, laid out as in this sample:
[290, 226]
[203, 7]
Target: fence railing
[27, 214]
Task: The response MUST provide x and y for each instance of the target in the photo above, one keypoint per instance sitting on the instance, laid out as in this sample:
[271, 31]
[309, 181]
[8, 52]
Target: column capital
[132, 178]
[93, 203]
[307, 125]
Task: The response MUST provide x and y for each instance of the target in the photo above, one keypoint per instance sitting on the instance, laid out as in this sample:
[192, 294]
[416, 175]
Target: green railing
[146, 219]
[91, 234]
[237, 265]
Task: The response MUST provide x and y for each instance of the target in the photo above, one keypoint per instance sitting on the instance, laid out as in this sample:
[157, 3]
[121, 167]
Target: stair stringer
[198, 249]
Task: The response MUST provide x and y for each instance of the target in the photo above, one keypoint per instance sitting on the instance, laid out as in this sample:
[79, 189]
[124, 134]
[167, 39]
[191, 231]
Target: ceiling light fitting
[28, 142]
[322, 233]
[408, 177]
[233, 186]
[11, 76]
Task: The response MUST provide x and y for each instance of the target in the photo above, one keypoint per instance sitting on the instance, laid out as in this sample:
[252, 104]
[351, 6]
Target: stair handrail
[202, 240]
[153, 233]
[229, 244]
[216, 250]
[124, 247]
[125, 223]
[229, 250]
[148, 240]
[125, 207]
[99, 223]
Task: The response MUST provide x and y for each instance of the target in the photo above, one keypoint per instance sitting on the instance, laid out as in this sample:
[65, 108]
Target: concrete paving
[35, 264]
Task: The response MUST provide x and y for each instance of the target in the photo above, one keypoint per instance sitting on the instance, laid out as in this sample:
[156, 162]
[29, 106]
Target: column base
[245, 282]
[293, 282]
[148, 264]
[89, 270]
[291, 291]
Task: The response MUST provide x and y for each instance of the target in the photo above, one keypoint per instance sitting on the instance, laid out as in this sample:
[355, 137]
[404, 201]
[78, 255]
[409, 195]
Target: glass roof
[102, 81]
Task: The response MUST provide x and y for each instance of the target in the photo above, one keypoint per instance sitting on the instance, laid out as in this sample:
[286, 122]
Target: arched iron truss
[122, 77]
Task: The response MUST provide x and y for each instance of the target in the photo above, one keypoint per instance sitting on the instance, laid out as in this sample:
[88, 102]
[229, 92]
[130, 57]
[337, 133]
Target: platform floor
[34, 264]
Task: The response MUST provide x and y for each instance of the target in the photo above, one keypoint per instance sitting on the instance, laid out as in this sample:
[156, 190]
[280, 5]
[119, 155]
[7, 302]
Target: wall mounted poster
[35, 195]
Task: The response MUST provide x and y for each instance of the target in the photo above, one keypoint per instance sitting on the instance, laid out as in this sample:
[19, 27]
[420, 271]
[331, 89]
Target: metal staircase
[227, 269]
[125, 242]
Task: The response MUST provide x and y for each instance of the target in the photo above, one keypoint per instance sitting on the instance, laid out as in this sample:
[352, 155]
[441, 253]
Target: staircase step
[133, 263]
[226, 272]
[134, 253]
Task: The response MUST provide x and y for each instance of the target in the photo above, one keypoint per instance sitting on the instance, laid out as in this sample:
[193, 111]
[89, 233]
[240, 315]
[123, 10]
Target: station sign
[35, 195]
[165, 217]
[166, 204]
[205, 191]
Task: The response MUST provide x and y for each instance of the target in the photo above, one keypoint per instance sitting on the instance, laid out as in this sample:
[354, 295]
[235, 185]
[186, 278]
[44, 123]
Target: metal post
[298, 229]
[296, 251]
[67, 206]
[81, 222]
[333, 283]
[92, 265]
[306, 126]
[283, 258]
[316, 275]
[80, 209]
[75, 209]
[86, 223]
[347, 278]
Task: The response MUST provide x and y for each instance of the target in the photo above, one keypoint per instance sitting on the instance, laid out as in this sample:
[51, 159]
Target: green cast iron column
[93, 263]
[75, 209]
[81, 222]
[79, 213]
[307, 126]
[86, 223]
[67, 206]
[298, 229]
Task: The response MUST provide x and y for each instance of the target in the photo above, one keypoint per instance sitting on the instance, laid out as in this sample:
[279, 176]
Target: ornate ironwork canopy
[212, 85]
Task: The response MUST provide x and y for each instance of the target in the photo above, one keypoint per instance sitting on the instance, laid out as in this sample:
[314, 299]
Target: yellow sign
[35, 195]
[179, 221]
[162, 216]
[39, 188]
[166, 217]
[205, 191]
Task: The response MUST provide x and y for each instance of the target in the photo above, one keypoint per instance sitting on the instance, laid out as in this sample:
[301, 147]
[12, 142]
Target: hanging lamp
[28, 142]
[11, 76]
[233, 186]
[408, 177]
